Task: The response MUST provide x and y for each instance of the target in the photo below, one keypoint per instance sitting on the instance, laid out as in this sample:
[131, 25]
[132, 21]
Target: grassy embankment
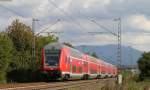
[131, 82]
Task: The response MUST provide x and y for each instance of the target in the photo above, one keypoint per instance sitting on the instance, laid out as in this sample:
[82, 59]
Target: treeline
[16, 61]
[144, 66]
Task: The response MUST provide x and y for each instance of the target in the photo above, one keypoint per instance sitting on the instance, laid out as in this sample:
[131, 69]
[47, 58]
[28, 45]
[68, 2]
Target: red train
[62, 62]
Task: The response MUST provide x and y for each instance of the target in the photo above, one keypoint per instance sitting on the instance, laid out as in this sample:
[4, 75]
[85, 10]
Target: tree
[144, 65]
[22, 63]
[6, 48]
[21, 36]
[41, 41]
[94, 55]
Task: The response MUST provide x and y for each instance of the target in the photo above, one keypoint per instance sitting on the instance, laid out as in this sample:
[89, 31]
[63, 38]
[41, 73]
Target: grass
[131, 82]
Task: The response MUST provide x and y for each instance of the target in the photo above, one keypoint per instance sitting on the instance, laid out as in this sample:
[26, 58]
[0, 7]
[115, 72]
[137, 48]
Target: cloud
[139, 22]
[76, 16]
[94, 3]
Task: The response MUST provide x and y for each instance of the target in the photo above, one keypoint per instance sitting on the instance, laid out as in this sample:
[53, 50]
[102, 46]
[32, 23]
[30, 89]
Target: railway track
[56, 85]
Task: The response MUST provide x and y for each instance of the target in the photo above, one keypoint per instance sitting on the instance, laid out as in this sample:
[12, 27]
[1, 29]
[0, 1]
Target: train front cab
[58, 64]
[51, 63]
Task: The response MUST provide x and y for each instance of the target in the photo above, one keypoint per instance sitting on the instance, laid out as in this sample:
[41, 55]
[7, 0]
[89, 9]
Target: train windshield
[52, 57]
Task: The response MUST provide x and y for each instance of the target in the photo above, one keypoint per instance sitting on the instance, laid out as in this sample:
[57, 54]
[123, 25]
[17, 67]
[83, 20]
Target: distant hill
[109, 53]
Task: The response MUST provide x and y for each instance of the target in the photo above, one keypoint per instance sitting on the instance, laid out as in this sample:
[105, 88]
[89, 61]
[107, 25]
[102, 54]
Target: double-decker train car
[62, 62]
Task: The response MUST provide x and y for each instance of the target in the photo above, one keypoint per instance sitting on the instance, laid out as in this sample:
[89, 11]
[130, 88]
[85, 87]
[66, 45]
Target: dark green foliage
[22, 75]
[21, 35]
[144, 66]
[94, 55]
[21, 60]
[5, 55]
[19, 66]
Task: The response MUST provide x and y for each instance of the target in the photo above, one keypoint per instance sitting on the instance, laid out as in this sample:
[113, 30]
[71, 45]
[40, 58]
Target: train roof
[55, 46]
[58, 45]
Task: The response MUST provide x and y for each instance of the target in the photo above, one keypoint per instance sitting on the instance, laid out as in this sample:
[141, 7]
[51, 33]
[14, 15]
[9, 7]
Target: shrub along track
[53, 85]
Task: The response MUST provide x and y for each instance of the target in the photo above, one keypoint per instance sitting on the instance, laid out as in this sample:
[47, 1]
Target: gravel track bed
[50, 85]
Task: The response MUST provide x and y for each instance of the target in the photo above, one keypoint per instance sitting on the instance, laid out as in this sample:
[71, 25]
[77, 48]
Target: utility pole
[118, 35]
[34, 38]
[33, 43]
[119, 50]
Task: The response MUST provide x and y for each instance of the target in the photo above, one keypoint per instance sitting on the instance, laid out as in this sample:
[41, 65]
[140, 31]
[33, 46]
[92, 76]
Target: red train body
[61, 61]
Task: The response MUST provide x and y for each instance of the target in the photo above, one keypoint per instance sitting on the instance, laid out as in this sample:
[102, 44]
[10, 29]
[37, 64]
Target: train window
[52, 57]
[76, 54]
[80, 69]
[85, 64]
[67, 60]
[103, 72]
[93, 71]
[93, 59]
[74, 69]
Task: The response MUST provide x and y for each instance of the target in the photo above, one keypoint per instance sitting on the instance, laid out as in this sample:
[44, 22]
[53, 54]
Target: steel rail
[57, 85]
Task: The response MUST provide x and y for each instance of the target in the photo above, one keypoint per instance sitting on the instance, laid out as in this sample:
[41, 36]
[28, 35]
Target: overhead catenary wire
[104, 28]
[68, 16]
[101, 26]
[80, 24]
[11, 10]
[49, 26]
[65, 13]
[118, 35]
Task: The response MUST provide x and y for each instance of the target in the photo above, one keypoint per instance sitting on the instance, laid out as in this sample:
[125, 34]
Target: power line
[119, 30]
[78, 23]
[118, 35]
[11, 10]
[65, 13]
[101, 26]
[49, 26]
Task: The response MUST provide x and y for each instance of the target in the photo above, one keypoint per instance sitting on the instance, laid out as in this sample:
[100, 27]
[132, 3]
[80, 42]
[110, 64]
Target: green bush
[6, 48]
[25, 76]
[144, 66]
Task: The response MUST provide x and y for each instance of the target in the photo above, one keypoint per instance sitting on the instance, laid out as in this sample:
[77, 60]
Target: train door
[70, 65]
[85, 66]
[99, 69]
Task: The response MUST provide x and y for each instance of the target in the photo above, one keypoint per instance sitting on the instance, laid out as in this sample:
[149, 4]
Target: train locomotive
[61, 62]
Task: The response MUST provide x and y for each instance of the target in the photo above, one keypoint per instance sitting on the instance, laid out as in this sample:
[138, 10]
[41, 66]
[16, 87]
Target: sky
[76, 16]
